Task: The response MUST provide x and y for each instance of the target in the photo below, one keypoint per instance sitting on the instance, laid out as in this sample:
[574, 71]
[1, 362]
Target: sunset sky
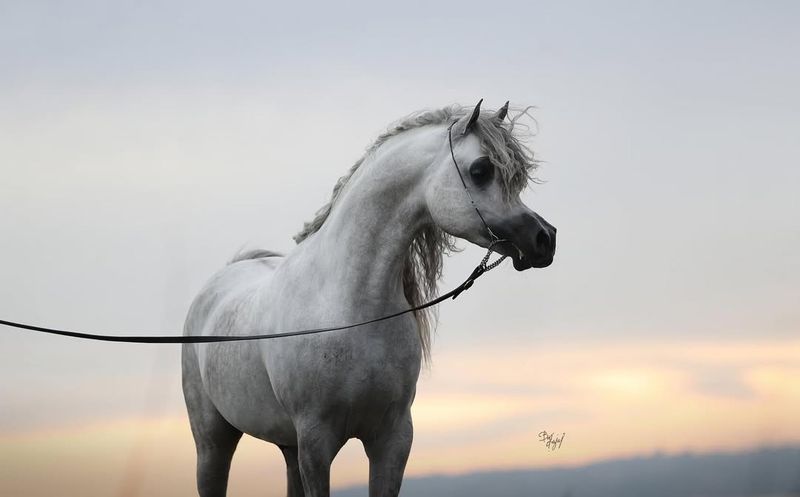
[142, 144]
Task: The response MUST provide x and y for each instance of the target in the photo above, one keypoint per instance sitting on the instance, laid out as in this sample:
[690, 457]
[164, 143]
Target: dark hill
[773, 472]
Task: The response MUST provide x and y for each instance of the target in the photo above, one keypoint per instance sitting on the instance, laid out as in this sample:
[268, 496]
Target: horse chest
[362, 371]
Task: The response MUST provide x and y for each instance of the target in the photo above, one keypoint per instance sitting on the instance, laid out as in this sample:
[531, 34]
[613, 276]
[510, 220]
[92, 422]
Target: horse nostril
[543, 240]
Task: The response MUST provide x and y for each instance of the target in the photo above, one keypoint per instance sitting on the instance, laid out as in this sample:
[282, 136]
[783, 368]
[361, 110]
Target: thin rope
[482, 268]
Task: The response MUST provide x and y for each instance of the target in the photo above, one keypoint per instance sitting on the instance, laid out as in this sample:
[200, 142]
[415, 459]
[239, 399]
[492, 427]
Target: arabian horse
[375, 249]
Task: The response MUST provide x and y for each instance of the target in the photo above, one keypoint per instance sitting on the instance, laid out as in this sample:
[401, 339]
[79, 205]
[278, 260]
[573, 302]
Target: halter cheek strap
[493, 239]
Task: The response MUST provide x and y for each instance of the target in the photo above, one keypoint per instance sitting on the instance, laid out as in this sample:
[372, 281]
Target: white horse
[375, 249]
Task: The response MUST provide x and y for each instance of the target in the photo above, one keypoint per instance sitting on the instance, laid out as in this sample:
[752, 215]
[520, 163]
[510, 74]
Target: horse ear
[465, 125]
[501, 113]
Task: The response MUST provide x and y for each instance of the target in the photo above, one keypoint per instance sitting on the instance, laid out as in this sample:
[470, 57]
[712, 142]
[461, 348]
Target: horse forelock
[423, 262]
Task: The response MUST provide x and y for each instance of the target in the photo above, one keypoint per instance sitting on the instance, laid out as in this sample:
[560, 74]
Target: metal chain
[496, 263]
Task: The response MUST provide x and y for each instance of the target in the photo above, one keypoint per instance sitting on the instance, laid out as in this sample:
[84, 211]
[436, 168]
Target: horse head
[473, 190]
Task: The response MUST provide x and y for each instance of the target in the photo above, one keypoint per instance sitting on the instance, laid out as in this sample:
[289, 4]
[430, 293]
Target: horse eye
[481, 171]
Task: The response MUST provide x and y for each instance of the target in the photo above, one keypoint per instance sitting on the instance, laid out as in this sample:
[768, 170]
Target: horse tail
[246, 255]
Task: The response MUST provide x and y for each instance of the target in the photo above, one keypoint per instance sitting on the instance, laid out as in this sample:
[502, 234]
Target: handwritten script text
[551, 440]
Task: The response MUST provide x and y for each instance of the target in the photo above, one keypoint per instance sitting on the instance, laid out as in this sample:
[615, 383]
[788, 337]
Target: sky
[143, 143]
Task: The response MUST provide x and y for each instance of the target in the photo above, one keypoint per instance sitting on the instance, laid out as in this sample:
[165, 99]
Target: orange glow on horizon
[476, 410]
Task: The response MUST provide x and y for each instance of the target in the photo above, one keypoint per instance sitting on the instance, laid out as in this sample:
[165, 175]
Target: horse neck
[365, 240]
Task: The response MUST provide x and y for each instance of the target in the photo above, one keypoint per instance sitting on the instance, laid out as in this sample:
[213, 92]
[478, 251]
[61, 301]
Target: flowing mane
[423, 262]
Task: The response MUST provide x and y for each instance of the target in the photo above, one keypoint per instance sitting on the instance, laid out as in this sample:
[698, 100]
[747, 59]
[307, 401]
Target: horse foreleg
[388, 452]
[317, 446]
[294, 483]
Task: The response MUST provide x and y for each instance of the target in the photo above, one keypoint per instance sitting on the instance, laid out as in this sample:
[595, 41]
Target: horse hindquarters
[214, 438]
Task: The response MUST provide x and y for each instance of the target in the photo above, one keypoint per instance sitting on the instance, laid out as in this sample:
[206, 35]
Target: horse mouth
[521, 263]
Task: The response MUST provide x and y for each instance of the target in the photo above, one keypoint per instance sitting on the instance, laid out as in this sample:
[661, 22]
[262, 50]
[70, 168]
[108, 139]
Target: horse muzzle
[528, 239]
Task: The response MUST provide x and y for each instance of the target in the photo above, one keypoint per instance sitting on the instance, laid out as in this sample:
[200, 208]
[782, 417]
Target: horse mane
[423, 262]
